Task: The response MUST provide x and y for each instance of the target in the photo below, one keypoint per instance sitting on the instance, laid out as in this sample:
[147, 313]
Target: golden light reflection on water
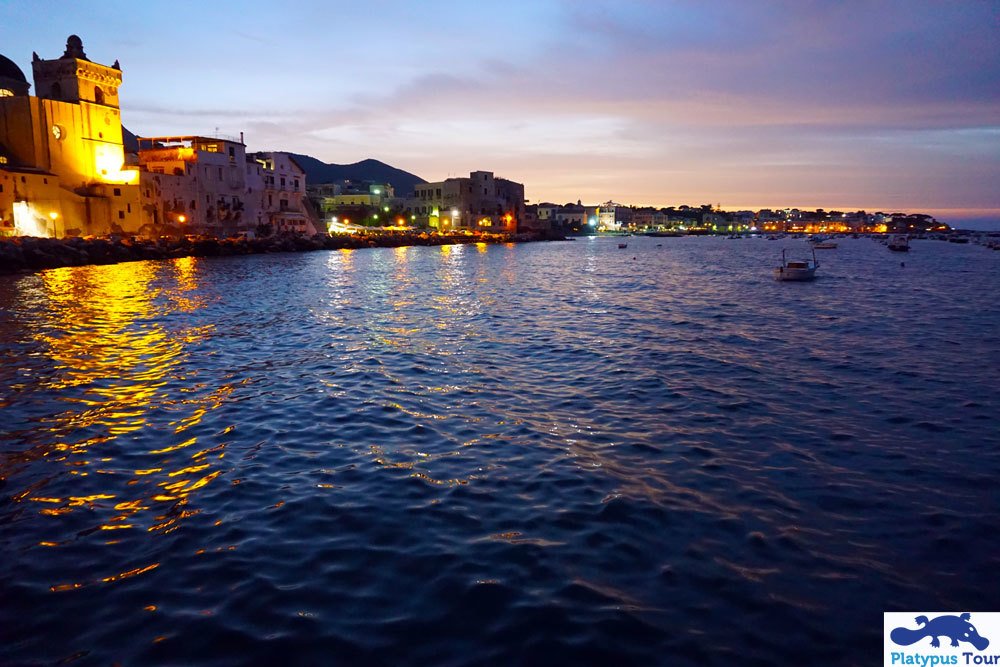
[115, 340]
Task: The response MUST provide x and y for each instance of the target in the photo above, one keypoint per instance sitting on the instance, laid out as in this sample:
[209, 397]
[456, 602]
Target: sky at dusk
[881, 105]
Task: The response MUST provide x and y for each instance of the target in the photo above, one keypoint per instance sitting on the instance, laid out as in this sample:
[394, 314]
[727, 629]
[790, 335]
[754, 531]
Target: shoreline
[29, 254]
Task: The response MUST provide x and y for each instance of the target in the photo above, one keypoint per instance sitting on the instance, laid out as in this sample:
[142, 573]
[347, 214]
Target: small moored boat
[622, 245]
[899, 243]
[796, 269]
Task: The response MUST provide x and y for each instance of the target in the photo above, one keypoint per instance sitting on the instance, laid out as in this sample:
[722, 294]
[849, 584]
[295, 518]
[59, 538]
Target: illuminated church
[62, 162]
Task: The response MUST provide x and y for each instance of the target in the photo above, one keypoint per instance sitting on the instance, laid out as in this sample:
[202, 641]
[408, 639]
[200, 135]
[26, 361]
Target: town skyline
[653, 104]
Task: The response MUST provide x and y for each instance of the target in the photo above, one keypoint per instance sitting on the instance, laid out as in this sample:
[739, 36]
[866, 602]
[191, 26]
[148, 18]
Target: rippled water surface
[559, 453]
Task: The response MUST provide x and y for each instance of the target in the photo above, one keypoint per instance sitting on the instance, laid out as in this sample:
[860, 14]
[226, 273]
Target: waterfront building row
[65, 169]
[481, 202]
[613, 217]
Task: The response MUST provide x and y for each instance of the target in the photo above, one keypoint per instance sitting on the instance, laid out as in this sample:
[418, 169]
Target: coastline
[27, 254]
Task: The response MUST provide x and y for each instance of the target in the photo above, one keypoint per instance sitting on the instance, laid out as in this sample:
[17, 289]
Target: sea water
[550, 453]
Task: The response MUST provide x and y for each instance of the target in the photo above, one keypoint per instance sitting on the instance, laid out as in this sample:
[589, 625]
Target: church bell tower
[74, 78]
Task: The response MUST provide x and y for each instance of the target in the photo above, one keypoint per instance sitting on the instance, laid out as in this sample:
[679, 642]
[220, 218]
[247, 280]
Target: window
[121, 215]
[118, 192]
[282, 182]
[98, 95]
[296, 184]
[45, 181]
[129, 207]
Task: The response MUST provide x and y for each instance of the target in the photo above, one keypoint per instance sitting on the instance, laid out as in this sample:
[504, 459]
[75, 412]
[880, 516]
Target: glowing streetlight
[53, 215]
[182, 219]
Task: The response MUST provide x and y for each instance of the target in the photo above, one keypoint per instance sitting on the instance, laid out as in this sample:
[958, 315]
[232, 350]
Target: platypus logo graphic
[957, 628]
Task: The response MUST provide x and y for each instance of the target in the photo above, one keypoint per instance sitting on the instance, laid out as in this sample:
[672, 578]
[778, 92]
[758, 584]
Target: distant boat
[820, 243]
[796, 270]
[899, 243]
[958, 239]
[622, 245]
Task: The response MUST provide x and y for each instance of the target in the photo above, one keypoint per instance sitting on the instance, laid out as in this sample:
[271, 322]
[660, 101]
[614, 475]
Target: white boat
[796, 269]
[824, 245]
[899, 243]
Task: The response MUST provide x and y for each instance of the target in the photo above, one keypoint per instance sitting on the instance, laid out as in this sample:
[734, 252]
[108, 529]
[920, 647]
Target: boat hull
[785, 273]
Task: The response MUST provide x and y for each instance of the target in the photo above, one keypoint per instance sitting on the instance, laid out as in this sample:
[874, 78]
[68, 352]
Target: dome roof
[10, 70]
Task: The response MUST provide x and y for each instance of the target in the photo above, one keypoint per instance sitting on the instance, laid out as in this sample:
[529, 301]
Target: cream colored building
[276, 185]
[62, 163]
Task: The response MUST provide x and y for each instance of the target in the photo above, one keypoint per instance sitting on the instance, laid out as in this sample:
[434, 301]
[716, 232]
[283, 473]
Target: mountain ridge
[370, 169]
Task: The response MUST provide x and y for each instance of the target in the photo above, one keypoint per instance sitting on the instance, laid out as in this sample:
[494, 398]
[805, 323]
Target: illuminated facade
[211, 186]
[612, 216]
[62, 162]
[479, 202]
[334, 198]
[195, 185]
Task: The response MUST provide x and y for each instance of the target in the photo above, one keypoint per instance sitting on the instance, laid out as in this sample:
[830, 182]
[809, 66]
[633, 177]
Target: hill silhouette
[318, 171]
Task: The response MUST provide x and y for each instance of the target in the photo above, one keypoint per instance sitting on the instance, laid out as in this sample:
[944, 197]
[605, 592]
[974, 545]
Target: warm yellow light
[53, 215]
[182, 218]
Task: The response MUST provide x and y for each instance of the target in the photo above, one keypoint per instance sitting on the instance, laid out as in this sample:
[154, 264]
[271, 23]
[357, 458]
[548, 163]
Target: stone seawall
[27, 254]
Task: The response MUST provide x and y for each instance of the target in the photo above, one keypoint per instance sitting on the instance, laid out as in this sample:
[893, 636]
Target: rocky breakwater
[27, 254]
